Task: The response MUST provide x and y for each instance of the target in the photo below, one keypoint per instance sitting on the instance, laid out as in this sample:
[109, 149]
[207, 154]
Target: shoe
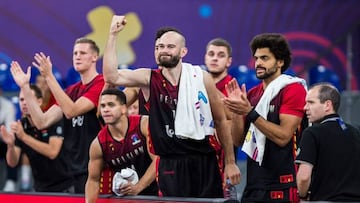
[10, 186]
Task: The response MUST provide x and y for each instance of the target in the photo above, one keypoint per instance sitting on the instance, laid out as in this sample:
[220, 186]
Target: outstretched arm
[95, 167]
[128, 78]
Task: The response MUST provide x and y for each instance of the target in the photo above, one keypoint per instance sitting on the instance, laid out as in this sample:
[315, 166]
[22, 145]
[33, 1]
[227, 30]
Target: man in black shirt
[329, 153]
[43, 147]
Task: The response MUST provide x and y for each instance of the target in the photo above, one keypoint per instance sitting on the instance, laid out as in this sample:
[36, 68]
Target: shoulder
[295, 88]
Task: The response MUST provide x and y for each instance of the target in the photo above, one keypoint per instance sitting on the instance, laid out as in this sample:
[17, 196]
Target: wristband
[252, 116]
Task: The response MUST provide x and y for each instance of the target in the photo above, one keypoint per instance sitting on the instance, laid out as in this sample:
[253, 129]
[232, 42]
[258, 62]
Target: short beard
[174, 60]
[266, 75]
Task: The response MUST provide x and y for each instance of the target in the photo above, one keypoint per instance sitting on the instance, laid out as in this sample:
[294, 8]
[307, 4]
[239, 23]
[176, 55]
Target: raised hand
[117, 24]
[18, 129]
[7, 137]
[18, 74]
[237, 101]
[43, 64]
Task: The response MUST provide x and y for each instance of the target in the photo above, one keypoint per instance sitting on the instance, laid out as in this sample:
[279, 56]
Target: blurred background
[324, 35]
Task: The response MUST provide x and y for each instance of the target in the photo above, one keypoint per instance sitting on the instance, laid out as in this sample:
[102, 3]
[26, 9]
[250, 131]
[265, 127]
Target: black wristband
[252, 116]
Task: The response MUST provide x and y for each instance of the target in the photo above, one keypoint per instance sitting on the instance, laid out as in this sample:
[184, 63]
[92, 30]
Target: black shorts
[190, 176]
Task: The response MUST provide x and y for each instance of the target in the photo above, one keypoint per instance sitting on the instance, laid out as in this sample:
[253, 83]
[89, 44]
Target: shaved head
[176, 38]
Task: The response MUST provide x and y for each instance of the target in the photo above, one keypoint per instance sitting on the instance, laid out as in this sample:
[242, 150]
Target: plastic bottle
[230, 192]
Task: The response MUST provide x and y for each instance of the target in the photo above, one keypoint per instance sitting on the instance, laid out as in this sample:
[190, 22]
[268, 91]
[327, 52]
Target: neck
[118, 130]
[88, 75]
[218, 76]
[173, 74]
[268, 80]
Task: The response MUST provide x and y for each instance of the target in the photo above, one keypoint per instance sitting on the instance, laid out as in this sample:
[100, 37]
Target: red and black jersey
[163, 102]
[221, 84]
[278, 169]
[81, 130]
[130, 152]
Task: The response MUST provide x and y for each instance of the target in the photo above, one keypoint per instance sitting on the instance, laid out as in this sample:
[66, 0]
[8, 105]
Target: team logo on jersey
[44, 133]
[135, 138]
[59, 130]
[77, 121]
[201, 96]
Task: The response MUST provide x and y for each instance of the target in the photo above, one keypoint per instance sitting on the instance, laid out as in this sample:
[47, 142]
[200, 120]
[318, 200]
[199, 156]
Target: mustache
[160, 55]
[259, 67]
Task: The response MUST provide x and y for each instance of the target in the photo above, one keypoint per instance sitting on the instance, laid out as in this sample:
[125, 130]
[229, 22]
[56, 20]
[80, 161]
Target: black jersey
[49, 175]
[163, 101]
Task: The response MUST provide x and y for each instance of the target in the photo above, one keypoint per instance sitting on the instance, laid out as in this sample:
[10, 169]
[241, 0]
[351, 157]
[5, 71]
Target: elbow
[40, 125]
[110, 79]
[53, 155]
[282, 142]
[11, 163]
[302, 180]
[69, 115]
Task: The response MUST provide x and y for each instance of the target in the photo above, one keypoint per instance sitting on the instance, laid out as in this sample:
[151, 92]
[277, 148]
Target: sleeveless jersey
[163, 101]
[131, 152]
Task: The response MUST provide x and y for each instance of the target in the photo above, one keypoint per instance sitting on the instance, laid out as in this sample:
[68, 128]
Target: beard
[268, 73]
[169, 63]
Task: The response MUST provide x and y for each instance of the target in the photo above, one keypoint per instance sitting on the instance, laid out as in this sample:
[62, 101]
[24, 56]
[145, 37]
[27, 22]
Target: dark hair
[164, 30]
[120, 95]
[277, 44]
[220, 42]
[328, 92]
[37, 91]
[92, 43]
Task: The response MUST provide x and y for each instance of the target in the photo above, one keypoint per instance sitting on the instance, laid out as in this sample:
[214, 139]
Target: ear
[184, 51]
[280, 63]
[124, 110]
[229, 62]
[95, 58]
[328, 106]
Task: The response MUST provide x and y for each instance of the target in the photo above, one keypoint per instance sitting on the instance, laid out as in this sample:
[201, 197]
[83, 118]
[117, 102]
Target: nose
[258, 62]
[305, 106]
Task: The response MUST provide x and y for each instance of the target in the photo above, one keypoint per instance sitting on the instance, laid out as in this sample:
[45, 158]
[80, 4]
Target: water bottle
[230, 192]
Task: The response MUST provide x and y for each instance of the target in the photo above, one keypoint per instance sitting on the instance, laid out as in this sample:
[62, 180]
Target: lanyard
[338, 119]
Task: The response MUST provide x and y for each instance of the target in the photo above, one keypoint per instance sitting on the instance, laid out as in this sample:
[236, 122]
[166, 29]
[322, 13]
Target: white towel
[123, 177]
[254, 144]
[193, 117]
